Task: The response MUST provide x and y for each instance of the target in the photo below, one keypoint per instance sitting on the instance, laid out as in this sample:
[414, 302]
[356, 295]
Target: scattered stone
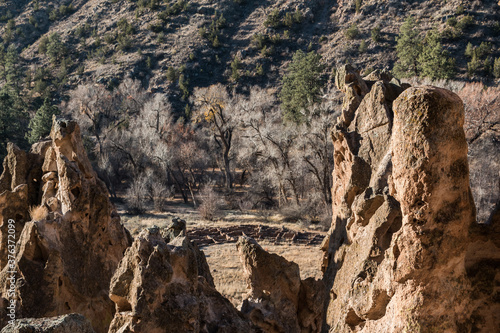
[72, 323]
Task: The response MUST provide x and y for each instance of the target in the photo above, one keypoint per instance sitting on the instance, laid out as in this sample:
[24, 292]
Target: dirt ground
[223, 259]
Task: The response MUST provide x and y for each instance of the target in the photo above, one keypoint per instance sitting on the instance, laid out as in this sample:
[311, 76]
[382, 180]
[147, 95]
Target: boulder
[69, 247]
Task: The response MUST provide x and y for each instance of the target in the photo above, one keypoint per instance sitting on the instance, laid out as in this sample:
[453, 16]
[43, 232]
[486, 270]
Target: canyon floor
[222, 257]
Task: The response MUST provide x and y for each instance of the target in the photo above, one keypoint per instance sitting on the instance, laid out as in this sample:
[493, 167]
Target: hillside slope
[106, 41]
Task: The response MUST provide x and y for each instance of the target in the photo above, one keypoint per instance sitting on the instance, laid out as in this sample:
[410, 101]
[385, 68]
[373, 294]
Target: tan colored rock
[19, 189]
[67, 254]
[163, 284]
[72, 323]
[278, 301]
[404, 252]
[274, 285]
[348, 80]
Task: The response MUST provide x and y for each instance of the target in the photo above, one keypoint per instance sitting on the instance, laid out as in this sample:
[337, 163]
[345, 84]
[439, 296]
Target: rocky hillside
[175, 46]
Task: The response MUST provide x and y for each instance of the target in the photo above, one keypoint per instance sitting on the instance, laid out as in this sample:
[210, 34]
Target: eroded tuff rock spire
[278, 300]
[71, 245]
[402, 253]
[163, 284]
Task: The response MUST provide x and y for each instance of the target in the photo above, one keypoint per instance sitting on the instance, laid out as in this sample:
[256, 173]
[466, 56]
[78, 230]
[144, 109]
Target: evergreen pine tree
[408, 48]
[41, 123]
[469, 50]
[434, 62]
[12, 120]
[13, 74]
[301, 85]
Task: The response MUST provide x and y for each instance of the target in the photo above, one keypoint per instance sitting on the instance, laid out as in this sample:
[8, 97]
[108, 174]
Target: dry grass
[38, 213]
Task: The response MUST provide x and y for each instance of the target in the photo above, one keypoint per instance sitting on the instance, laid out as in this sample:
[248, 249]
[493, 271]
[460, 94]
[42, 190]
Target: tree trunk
[227, 170]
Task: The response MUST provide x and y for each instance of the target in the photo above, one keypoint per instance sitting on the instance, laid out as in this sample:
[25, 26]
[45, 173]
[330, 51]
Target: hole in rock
[76, 192]
[378, 309]
[353, 320]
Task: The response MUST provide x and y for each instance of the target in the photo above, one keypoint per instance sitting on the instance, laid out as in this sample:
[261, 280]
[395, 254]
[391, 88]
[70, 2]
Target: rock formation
[72, 323]
[278, 301]
[69, 248]
[163, 284]
[402, 253]
[484, 165]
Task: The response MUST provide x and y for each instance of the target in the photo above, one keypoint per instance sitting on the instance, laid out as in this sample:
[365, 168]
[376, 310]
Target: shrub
[297, 16]
[80, 70]
[496, 68]
[211, 202]
[38, 213]
[259, 69]
[465, 22]
[110, 38]
[352, 32]
[259, 40]
[362, 47]
[171, 74]
[160, 194]
[375, 33]
[496, 28]
[452, 22]
[125, 27]
[136, 196]
[273, 19]
[483, 49]
[156, 27]
[288, 20]
[172, 10]
[42, 46]
[124, 42]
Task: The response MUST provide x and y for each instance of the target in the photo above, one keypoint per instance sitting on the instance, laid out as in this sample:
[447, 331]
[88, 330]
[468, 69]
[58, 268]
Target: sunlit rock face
[163, 284]
[69, 247]
[403, 251]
